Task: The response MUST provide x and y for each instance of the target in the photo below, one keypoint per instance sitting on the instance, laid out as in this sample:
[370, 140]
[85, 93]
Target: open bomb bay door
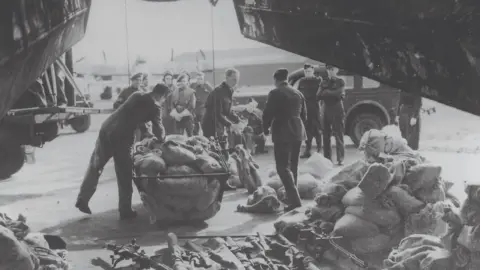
[425, 47]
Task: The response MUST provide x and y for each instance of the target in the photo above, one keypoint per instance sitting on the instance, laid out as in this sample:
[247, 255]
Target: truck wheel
[12, 159]
[80, 124]
[362, 123]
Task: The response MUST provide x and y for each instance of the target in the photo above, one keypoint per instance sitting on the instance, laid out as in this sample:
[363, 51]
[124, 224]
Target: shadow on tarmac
[92, 232]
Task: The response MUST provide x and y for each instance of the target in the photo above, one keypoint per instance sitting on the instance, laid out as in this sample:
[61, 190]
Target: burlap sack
[374, 244]
[15, 254]
[325, 213]
[351, 226]
[422, 176]
[404, 201]
[376, 180]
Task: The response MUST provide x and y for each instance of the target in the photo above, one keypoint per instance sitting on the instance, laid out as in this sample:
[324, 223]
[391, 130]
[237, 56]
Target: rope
[126, 41]
[212, 28]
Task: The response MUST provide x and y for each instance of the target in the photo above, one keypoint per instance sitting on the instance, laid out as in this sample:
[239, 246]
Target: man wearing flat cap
[309, 86]
[332, 93]
[285, 114]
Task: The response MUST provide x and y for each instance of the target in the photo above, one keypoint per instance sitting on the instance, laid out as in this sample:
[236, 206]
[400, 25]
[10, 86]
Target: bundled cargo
[181, 179]
[375, 202]
[24, 250]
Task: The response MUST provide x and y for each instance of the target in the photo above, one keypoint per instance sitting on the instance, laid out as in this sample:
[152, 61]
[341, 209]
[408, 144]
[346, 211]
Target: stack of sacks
[23, 250]
[371, 221]
[467, 249]
[178, 198]
[310, 177]
[386, 199]
[247, 170]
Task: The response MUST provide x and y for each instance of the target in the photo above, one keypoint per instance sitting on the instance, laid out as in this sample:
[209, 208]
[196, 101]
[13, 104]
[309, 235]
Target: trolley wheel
[12, 159]
[80, 124]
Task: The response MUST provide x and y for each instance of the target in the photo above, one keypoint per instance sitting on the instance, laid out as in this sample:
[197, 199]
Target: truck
[36, 34]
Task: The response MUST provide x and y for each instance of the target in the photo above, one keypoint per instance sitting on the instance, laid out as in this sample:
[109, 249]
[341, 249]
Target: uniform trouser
[308, 142]
[333, 124]
[286, 158]
[410, 133]
[104, 150]
[198, 122]
[184, 125]
[260, 142]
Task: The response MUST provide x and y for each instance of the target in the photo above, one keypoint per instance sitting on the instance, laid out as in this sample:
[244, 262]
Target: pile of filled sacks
[458, 249]
[24, 250]
[375, 202]
[269, 196]
[179, 180]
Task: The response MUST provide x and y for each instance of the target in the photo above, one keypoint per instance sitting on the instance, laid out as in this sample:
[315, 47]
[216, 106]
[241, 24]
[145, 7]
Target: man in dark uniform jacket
[408, 118]
[115, 140]
[168, 122]
[202, 90]
[127, 92]
[309, 86]
[332, 93]
[218, 107]
[285, 114]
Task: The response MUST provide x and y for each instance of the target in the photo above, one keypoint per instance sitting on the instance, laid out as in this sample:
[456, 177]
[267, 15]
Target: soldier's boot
[308, 149]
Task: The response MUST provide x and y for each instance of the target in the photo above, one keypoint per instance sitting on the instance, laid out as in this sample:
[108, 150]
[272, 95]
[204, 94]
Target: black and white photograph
[239, 135]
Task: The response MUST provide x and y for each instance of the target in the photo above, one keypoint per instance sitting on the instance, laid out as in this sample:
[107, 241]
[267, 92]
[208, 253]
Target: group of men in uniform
[290, 115]
[324, 101]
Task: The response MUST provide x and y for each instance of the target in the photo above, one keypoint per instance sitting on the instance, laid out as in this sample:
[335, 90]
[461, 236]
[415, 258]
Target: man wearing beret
[115, 139]
[285, 114]
[332, 93]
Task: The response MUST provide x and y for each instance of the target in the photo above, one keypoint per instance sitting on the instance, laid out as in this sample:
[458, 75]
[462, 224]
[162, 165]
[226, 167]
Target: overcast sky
[155, 27]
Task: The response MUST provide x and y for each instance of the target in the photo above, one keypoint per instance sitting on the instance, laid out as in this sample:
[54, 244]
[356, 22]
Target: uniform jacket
[184, 98]
[139, 109]
[310, 88]
[201, 94]
[332, 93]
[124, 95]
[285, 113]
[218, 109]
